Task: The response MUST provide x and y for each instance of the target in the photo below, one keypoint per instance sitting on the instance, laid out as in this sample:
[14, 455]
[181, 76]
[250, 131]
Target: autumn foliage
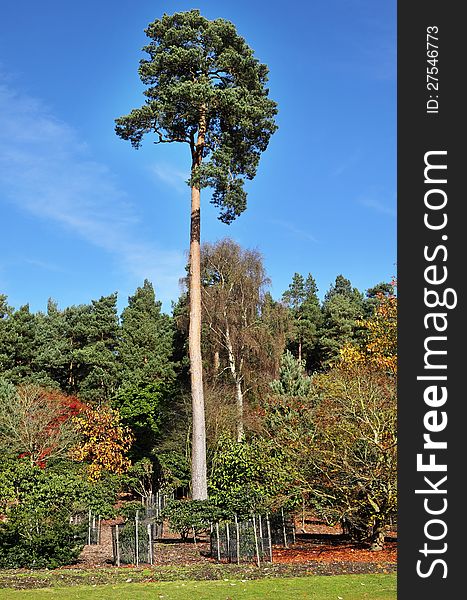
[104, 442]
[36, 422]
[380, 346]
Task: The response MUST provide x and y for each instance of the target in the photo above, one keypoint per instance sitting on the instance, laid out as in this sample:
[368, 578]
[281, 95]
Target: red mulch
[324, 551]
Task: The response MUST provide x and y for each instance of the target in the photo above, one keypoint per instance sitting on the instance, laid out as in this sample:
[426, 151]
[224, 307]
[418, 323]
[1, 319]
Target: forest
[300, 404]
[237, 407]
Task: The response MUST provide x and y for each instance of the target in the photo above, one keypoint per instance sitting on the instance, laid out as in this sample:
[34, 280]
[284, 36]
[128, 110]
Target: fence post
[256, 541]
[218, 543]
[238, 539]
[89, 527]
[260, 529]
[269, 536]
[227, 532]
[117, 543]
[137, 538]
[159, 511]
[283, 528]
[150, 553]
[99, 529]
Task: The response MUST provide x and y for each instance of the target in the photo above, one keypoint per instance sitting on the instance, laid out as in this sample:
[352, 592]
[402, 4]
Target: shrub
[39, 504]
[248, 477]
[129, 509]
[37, 539]
[186, 515]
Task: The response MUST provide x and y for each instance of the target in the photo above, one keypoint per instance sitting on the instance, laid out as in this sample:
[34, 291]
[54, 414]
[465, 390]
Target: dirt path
[98, 555]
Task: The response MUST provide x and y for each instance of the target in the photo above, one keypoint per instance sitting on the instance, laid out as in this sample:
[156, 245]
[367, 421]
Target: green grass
[339, 587]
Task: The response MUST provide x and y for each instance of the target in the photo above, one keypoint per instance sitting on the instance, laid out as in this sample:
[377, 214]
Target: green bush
[37, 539]
[186, 515]
[129, 509]
[39, 503]
[174, 469]
[248, 477]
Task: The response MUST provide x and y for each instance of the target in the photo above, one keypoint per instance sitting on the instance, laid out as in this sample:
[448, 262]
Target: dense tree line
[138, 360]
[110, 393]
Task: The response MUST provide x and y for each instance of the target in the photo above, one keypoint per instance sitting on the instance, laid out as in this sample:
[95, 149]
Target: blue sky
[83, 214]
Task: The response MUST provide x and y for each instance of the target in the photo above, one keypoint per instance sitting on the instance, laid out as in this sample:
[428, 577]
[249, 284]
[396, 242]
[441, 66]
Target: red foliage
[62, 409]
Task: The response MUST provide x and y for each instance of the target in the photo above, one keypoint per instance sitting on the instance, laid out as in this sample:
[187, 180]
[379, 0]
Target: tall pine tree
[205, 89]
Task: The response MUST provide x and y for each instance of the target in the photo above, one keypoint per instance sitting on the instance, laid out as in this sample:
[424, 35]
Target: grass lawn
[338, 587]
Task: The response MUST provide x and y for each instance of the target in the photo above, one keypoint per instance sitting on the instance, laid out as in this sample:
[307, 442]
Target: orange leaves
[380, 348]
[104, 442]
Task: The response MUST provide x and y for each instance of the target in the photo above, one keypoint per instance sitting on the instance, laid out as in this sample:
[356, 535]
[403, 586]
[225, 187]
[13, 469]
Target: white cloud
[45, 170]
[171, 176]
[378, 206]
[41, 264]
[294, 230]
[347, 163]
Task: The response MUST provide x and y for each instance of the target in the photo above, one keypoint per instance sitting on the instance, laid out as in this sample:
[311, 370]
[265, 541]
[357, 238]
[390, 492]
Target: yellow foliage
[104, 442]
[380, 348]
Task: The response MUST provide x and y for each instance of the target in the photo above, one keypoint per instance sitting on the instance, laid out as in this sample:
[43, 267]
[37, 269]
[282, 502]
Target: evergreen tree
[76, 324]
[98, 357]
[5, 310]
[276, 320]
[342, 310]
[145, 353]
[17, 343]
[78, 348]
[141, 406]
[205, 89]
[302, 300]
[145, 348]
[51, 358]
[293, 381]
[374, 295]
[343, 287]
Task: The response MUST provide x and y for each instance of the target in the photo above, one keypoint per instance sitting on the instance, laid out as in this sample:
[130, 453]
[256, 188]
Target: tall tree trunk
[199, 487]
[198, 446]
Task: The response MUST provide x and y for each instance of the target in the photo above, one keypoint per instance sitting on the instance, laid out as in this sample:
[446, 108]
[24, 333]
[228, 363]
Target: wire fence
[251, 539]
[88, 527]
[133, 541]
[235, 540]
[157, 501]
[247, 540]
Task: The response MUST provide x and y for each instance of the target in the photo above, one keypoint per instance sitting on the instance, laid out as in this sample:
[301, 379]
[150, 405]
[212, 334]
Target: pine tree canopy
[205, 88]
